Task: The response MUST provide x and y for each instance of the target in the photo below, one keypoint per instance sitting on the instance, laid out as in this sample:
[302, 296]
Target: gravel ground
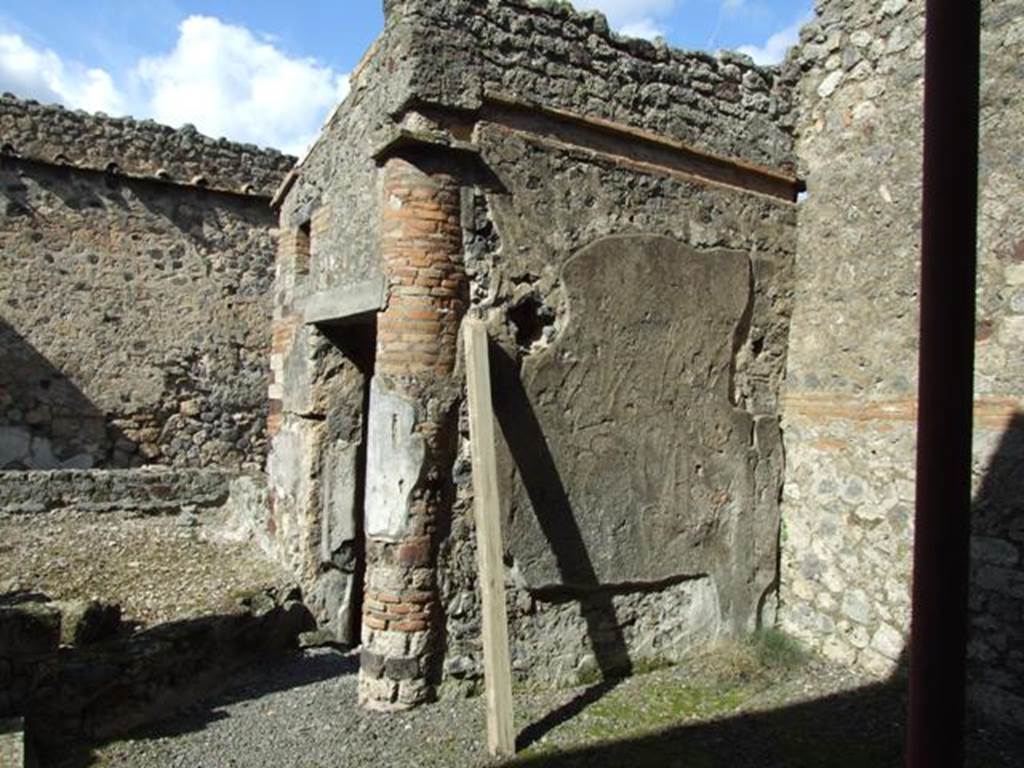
[303, 714]
[158, 568]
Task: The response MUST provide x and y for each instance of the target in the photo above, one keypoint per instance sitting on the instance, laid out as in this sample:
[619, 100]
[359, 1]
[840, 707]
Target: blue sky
[268, 72]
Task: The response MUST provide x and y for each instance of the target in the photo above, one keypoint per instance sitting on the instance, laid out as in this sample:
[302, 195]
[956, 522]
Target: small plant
[775, 649]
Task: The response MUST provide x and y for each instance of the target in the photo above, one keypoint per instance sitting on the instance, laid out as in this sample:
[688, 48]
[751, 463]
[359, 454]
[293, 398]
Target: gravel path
[158, 568]
[303, 714]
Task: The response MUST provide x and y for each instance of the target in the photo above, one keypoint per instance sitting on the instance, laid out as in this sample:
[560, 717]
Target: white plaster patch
[394, 460]
[830, 83]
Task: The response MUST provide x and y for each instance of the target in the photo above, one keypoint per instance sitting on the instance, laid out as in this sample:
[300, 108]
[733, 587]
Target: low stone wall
[149, 490]
[72, 684]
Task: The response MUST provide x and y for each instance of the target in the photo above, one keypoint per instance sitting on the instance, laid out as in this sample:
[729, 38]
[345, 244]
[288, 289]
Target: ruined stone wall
[849, 404]
[329, 237]
[596, 250]
[134, 316]
[140, 148]
[548, 54]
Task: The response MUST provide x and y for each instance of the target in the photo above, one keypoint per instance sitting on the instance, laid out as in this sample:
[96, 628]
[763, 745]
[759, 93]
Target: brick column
[413, 430]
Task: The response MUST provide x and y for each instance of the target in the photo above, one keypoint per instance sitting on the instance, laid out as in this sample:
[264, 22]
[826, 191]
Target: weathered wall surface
[850, 391]
[640, 327]
[330, 237]
[135, 318]
[140, 148]
[567, 231]
[549, 54]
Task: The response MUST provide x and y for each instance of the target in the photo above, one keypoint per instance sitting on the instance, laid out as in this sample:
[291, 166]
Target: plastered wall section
[849, 403]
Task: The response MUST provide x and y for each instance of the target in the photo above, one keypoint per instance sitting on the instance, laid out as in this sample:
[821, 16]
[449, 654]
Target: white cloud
[636, 18]
[646, 28]
[731, 6]
[42, 74]
[773, 50]
[228, 82]
[222, 78]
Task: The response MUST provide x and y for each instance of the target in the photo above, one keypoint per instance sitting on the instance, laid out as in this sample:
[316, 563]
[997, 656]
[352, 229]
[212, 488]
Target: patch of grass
[641, 707]
[775, 650]
[712, 685]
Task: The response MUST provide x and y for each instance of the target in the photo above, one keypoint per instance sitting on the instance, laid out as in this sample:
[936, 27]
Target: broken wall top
[141, 148]
[464, 52]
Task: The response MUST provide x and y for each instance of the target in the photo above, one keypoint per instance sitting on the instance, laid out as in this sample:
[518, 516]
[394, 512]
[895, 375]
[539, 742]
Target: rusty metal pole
[938, 647]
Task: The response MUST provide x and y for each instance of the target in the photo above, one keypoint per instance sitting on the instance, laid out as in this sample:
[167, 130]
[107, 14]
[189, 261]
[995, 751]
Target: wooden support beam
[497, 661]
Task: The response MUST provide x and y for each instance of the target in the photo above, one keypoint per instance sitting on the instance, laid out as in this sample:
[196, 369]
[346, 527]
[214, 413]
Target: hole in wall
[529, 318]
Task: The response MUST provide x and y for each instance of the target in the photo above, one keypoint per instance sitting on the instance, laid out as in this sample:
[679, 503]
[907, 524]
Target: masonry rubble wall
[553, 56]
[560, 224]
[74, 673]
[146, 490]
[849, 404]
[139, 148]
[134, 313]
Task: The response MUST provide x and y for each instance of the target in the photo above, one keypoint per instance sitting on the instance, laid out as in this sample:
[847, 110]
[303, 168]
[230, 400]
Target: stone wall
[147, 490]
[75, 673]
[464, 52]
[134, 314]
[12, 742]
[623, 275]
[849, 406]
[136, 148]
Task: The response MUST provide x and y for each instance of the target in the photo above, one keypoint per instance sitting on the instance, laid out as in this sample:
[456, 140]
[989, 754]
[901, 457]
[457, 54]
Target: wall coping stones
[139, 148]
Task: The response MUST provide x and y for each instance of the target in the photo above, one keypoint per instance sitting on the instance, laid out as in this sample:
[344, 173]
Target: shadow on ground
[861, 728]
[294, 671]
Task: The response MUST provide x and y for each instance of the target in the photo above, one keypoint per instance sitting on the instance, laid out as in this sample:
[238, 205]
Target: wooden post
[497, 662]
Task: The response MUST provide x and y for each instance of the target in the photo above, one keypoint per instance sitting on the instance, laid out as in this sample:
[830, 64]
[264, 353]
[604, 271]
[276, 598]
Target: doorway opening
[356, 340]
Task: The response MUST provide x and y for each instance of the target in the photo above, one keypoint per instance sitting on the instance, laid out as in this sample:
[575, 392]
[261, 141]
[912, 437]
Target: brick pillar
[413, 430]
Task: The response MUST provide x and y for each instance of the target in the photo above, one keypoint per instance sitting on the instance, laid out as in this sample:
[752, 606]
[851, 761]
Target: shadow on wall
[46, 422]
[101, 687]
[525, 439]
[861, 727]
[996, 649]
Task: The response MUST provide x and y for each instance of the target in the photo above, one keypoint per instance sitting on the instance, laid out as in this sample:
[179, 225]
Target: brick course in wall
[850, 400]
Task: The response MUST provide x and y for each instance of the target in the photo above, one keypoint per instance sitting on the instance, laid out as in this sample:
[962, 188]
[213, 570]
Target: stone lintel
[405, 140]
[344, 303]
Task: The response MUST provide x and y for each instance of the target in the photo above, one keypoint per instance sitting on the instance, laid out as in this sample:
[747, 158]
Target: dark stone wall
[134, 321]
